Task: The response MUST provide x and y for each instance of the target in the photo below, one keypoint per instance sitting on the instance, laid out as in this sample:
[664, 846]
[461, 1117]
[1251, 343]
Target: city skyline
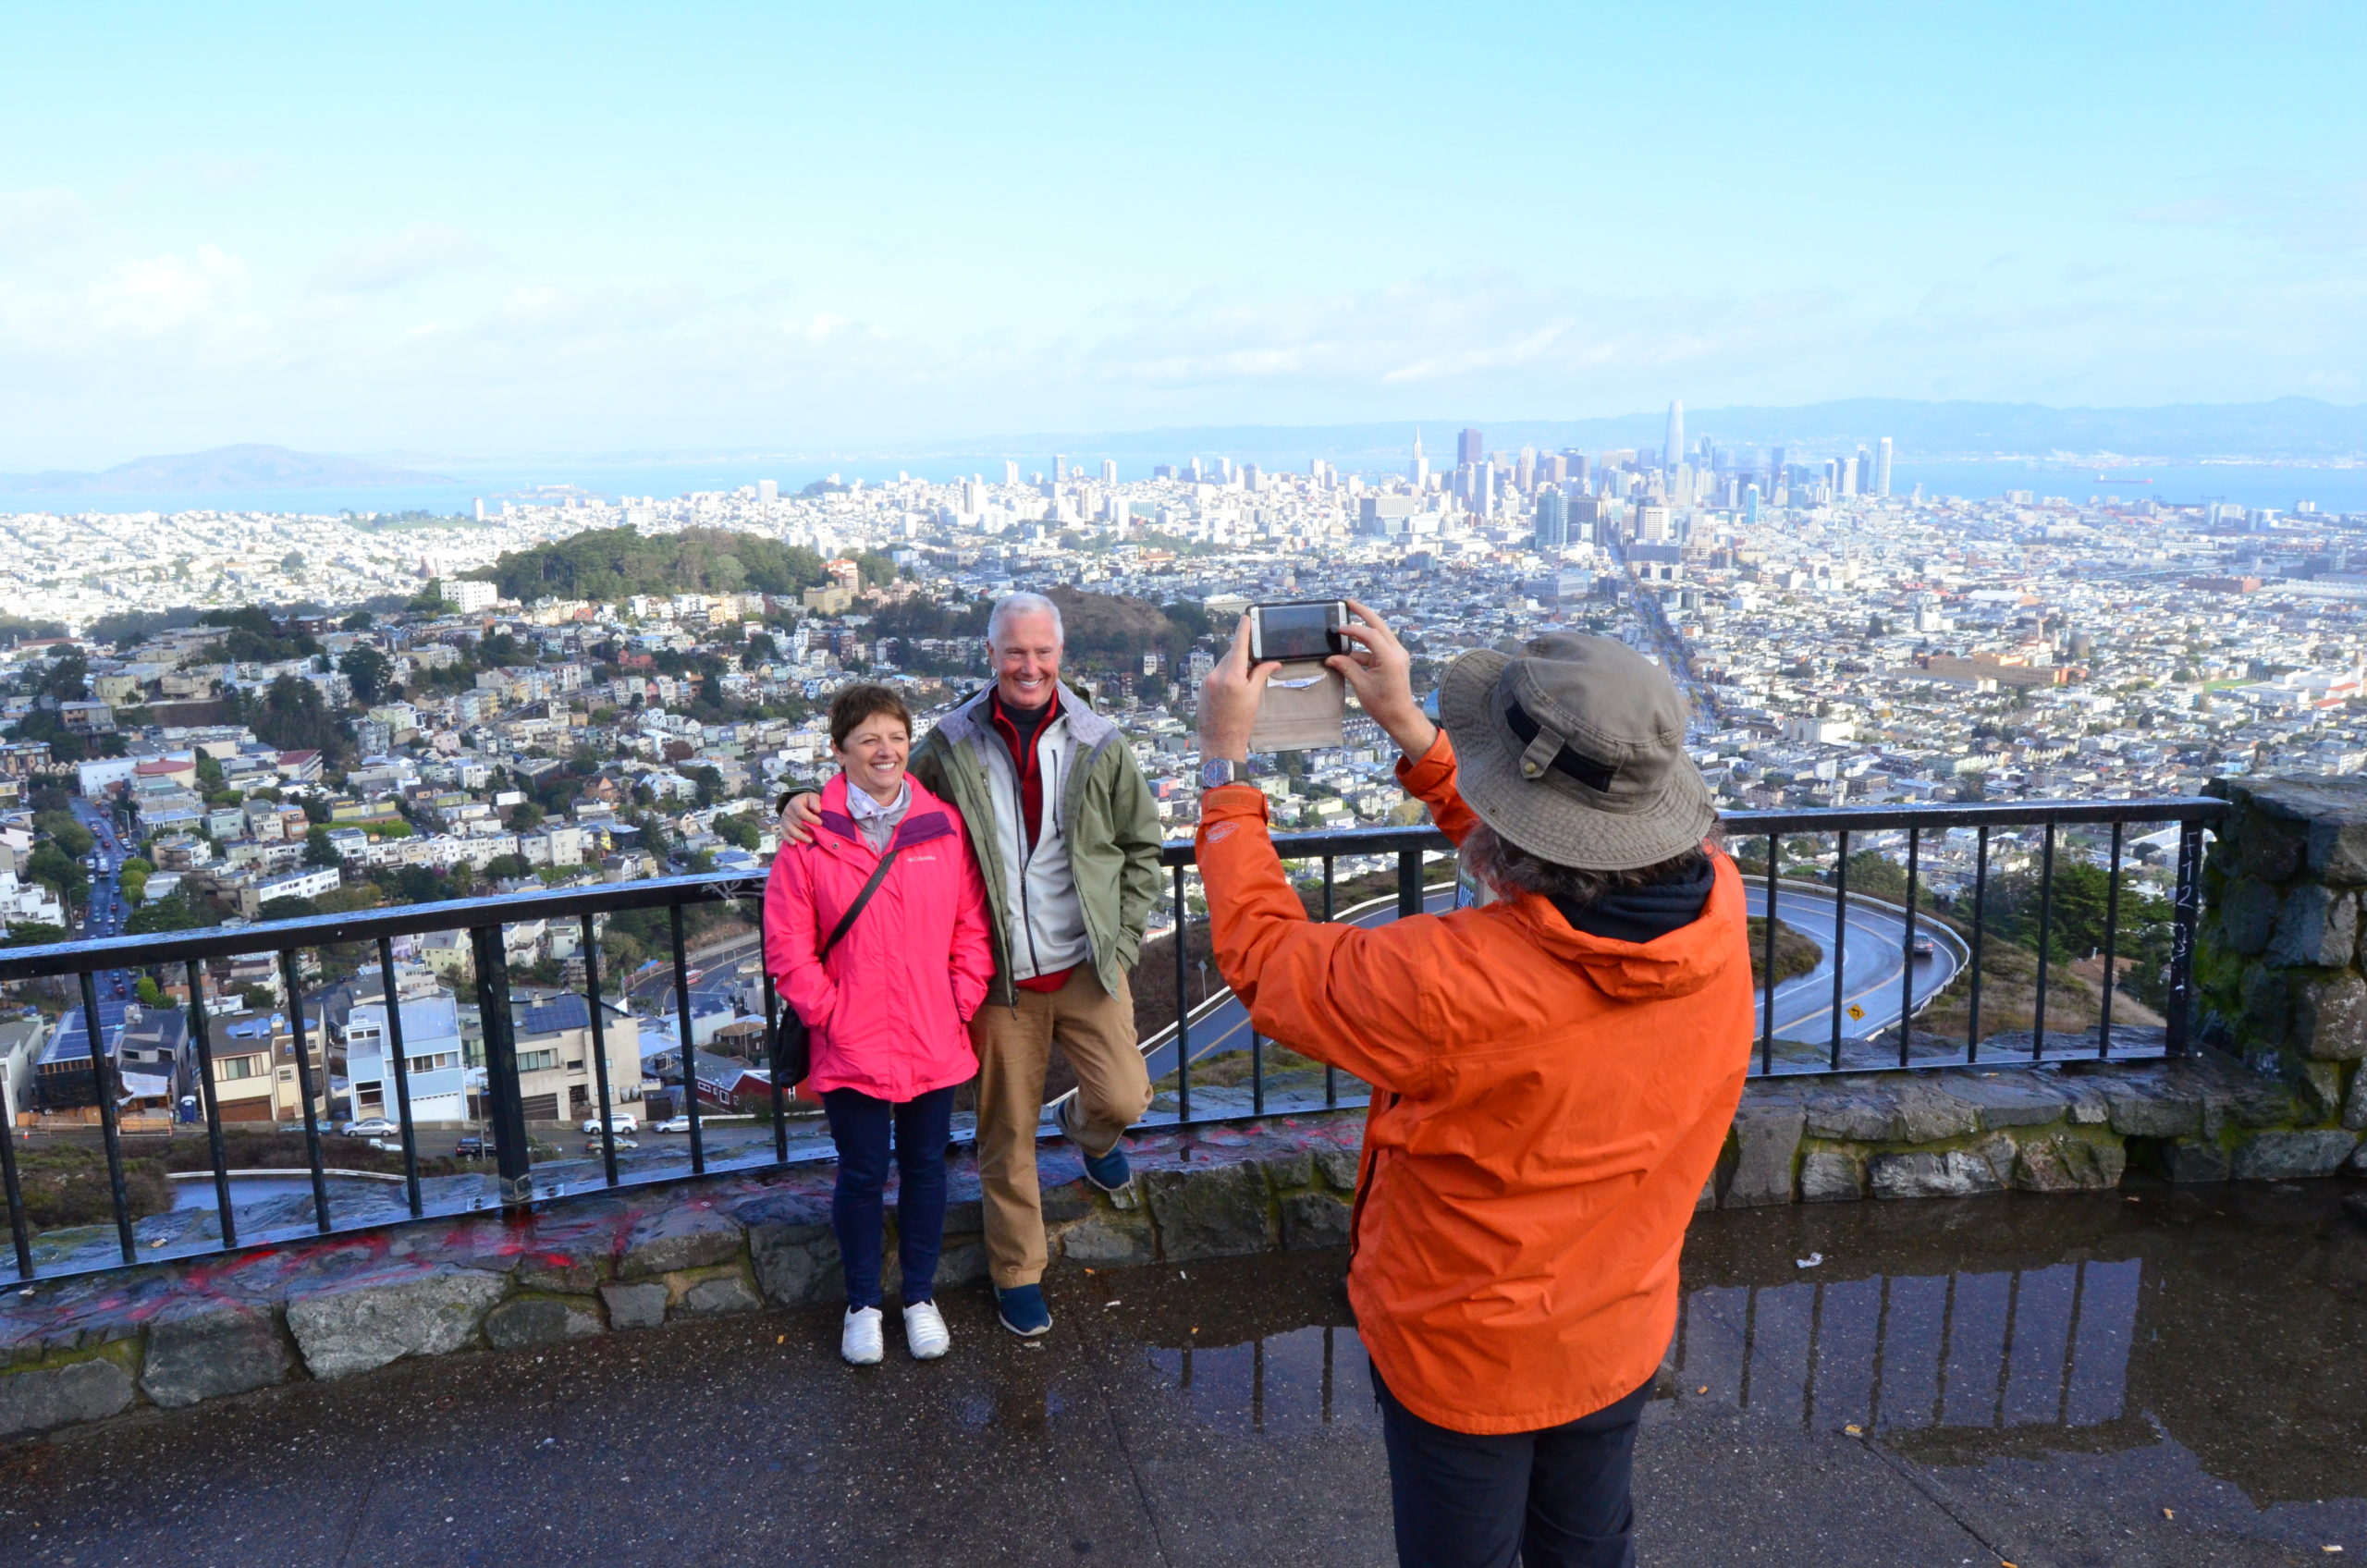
[563, 240]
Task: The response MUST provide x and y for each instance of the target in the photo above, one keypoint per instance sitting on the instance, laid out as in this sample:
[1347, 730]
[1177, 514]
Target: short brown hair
[852, 706]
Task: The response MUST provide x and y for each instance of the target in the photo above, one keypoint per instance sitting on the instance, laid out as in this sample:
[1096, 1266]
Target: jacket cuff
[1424, 774]
[1232, 803]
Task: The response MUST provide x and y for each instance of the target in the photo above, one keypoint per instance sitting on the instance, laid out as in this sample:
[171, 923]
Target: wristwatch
[1217, 771]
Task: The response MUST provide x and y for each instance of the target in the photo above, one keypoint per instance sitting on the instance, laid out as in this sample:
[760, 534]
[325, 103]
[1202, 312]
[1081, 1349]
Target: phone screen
[1296, 632]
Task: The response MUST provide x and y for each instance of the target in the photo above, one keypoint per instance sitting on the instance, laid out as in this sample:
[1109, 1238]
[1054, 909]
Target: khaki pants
[1095, 1033]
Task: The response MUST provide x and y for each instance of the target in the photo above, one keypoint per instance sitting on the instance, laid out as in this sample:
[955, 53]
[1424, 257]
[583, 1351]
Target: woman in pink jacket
[888, 1008]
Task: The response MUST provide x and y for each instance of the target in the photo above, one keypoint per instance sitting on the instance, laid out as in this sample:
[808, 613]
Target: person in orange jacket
[1552, 1073]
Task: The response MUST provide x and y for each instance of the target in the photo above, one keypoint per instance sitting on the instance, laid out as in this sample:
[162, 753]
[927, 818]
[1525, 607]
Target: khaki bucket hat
[1576, 753]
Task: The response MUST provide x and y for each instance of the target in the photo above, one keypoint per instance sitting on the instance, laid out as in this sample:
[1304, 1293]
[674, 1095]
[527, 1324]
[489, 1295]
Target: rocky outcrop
[363, 1324]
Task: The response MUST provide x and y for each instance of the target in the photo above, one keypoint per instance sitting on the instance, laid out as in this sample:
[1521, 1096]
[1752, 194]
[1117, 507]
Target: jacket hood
[968, 720]
[1677, 964]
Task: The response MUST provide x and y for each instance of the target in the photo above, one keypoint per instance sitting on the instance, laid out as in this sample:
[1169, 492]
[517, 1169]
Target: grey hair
[1511, 870]
[1023, 603]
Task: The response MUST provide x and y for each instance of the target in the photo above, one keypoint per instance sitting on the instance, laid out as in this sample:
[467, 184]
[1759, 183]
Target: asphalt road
[106, 912]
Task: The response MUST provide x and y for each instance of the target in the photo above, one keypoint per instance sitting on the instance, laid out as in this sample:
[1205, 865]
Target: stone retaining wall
[175, 1334]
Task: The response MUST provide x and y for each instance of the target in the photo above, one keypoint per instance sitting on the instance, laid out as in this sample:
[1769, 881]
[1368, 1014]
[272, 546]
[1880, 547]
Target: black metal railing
[1205, 1031]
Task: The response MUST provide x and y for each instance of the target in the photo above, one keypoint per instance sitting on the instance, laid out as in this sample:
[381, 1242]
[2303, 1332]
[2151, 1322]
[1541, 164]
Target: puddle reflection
[2045, 1346]
[1288, 1384]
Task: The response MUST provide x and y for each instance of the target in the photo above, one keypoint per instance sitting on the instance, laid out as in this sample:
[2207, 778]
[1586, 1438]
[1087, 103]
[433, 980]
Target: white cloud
[390, 261]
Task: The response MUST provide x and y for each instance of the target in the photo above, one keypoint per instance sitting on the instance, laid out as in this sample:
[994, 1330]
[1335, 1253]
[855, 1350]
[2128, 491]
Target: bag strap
[860, 898]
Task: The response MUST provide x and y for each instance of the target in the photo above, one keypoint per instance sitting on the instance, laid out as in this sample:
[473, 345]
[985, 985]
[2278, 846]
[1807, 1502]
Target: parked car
[472, 1146]
[671, 1124]
[592, 1144]
[388, 1145]
[369, 1127]
[618, 1121]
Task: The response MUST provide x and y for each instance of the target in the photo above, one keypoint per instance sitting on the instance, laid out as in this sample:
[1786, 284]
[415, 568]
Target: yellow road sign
[1856, 1012]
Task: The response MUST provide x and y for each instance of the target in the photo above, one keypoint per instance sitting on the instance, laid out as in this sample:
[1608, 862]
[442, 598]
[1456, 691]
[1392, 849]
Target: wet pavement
[2157, 1378]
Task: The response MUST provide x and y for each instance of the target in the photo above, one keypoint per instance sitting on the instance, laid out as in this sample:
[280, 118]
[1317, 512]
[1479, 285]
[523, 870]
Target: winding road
[1871, 963]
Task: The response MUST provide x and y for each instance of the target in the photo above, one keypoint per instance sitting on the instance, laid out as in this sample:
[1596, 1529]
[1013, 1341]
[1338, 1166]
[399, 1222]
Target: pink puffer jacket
[888, 1011]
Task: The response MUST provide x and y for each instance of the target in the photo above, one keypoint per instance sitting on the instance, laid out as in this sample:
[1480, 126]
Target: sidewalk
[1130, 1438]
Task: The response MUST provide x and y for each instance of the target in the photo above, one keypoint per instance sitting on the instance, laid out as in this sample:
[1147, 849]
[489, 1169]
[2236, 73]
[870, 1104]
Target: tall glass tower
[1672, 449]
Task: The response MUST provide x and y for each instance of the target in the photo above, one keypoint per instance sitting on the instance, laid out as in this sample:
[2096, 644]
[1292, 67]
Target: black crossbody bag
[792, 1042]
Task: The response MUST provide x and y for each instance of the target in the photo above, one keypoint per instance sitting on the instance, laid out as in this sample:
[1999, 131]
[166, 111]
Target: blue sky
[493, 229]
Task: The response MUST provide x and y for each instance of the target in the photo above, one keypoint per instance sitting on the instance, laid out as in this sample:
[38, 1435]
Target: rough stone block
[2338, 846]
[2316, 927]
[2267, 1002]
[361, 1325]
[964, 1217]
[1289, 1170]
[2282, 1155]
[1767, 1138]
[1339, 1168]
[1954, 1174]
[961, 1261]
[1832, 1176]
[1849, 1110]
[2272, 850]
[1313, 1220]
[2011, 1099]
[2330, 1018]
[2247, 916]
[49, 1397]
[2066, 1163]
[2354, 1105]
[1209, 1211]
[634, 1307]
[715, 1297]
[679, 1238]
[2151, 1106]
[797, 1265]
[2191, 1160]
[1106, 1241]
[529, 1321]
[560, 1274]
[202, 1350]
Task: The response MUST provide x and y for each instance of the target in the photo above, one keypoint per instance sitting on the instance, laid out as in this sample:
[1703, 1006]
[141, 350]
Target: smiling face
[873, 755]
[1026, 659]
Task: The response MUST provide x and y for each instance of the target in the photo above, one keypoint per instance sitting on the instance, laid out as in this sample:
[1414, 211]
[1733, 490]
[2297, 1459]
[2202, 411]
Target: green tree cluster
[612, 563]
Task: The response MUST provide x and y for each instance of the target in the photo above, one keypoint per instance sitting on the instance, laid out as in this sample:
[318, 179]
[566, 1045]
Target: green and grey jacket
[1085, 892]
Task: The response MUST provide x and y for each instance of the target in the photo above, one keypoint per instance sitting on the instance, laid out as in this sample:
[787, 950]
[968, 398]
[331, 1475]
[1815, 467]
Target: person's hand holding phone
[1229, 699]
[1380, 673]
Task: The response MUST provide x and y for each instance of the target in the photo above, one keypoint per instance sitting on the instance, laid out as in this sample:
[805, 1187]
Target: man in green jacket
[1067, 840]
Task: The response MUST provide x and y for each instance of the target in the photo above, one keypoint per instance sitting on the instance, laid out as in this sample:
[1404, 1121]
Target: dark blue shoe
[1023, 1311]
[1109, 1172]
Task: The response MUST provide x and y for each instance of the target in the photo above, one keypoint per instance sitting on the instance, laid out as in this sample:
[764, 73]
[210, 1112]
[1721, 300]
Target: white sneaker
[924, 1331]
[861, 1340]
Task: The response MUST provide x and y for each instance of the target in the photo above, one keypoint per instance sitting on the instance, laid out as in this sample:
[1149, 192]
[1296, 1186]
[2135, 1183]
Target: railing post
[17, 1230]
[103, 1085]
[1980, 925]
[2111, 944]
[201, 1037]
[2045, 942]
[1182, 1006]
[391, 1040]
[505, 1103]
[1409, 884]
[690, 1052]
[2186, 905]
[1840, 934]
[1767, 1033]
[599, 1047]
[1906, 980]
[294, 983]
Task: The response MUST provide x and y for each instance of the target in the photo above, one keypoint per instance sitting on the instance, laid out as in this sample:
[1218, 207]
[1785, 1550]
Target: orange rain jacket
[1546, 1106]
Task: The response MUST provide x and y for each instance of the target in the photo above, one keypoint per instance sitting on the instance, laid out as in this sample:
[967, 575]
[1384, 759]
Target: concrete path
[1220, 1414]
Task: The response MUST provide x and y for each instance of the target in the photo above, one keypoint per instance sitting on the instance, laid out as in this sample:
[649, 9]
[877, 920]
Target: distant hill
[247, 467]
[610, 563]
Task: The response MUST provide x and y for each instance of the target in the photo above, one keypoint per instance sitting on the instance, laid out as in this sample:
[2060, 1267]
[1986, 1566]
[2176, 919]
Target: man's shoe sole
[1022, 1333]
[1099, 1186]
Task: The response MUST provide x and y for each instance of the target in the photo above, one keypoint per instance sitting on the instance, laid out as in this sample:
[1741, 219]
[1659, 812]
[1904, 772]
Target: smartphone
[1305, 628]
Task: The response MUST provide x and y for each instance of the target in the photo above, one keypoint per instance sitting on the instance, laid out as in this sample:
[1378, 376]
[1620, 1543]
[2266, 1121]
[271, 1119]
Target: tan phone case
[1304, 707]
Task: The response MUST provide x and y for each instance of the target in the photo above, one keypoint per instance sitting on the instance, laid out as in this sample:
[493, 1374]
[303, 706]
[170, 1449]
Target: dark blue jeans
[1550, 1499]
[859, 1125]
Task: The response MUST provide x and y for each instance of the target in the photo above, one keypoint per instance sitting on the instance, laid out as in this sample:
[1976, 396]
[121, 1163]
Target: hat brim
[1543, 819]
